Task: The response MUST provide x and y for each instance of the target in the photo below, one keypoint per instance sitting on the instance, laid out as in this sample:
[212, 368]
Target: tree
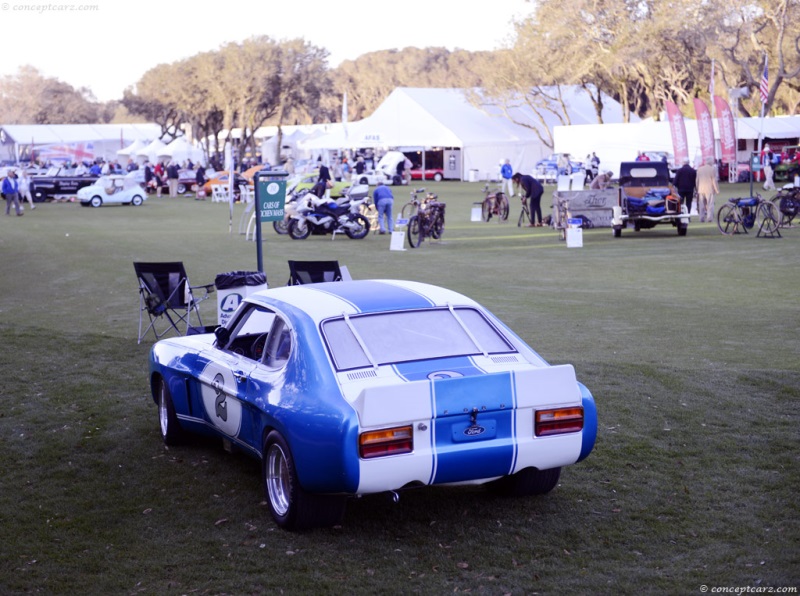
[31, 98]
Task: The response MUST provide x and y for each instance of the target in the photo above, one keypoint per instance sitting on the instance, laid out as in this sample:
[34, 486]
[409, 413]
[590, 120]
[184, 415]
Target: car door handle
[239, 376]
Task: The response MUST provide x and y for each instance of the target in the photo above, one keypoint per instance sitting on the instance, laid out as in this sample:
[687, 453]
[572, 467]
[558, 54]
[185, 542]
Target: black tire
[728, 219]
[181, 188]
[281, 226]
[682, 229]
[503, 207]
[96, 201]
[137, 200]
[361, 231]
[527, 482]
[437, 229]
[486, 210]
[437, 177]
[363, 180]
[617, 232]
[171, 431]
[413, 232]
[291, 507]
[299, 229]
[768, 218]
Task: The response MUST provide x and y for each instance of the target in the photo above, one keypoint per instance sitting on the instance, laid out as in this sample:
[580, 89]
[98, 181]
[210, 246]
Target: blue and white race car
[360, 387]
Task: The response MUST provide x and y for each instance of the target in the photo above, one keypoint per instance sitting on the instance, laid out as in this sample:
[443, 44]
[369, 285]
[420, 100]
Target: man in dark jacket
[685, 179]
[532, 192]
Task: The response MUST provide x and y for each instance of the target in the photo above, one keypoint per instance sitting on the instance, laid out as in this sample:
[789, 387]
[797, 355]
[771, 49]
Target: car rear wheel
[527, 482]
[171, 431]
[181, 188]
[291, 507]
[437, 176]
[136, 200]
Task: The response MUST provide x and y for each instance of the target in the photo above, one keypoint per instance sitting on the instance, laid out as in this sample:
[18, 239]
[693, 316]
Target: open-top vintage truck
[647, 199]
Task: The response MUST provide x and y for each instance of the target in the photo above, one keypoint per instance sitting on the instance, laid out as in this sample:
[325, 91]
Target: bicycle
[787, 202]
[739, 215]
[428, 222]
[494, 203]
[410, 209]
[524, 214]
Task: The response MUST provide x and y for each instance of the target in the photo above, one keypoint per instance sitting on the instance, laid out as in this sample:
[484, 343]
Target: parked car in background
[351, 388]
[59, 181]
[186, 180]
[436, 174]
[547, 168]
[371, 177]
[115, 189]
[308, 180]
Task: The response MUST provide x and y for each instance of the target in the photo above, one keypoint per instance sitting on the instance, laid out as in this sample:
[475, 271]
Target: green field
[691, 347]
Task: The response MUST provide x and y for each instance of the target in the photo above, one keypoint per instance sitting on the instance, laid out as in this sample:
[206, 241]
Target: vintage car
[436, 174]
[114, 189]
[353, 388]
[371, 177]
[647, 198]
[59, 181]
[309, 179]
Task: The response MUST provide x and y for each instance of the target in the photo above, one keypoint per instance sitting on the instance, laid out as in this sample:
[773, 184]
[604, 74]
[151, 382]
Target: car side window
[279, 344]
[249, 333]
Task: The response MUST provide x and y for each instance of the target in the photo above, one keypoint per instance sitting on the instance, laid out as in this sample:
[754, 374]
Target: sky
[107, 45]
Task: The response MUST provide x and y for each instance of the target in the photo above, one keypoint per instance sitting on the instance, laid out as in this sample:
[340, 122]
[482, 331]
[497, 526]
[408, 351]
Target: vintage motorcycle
[331, 217]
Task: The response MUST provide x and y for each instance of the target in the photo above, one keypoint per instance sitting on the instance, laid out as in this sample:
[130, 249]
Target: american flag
[764, 88]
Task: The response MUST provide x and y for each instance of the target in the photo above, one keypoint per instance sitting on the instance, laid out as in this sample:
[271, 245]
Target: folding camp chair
[312, 272]
[165, 293]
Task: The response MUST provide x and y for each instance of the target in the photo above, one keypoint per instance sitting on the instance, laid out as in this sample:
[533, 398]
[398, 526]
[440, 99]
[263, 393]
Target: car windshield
[386, 338]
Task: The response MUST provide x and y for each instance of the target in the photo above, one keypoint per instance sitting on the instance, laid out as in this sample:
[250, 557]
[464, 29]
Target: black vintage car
[58, 181]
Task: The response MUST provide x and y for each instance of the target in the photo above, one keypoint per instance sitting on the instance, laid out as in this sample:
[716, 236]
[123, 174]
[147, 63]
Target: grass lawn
[691, 347]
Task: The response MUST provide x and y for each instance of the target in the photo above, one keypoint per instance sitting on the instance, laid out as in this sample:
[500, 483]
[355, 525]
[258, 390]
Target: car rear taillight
[558, 421]
[387, 441]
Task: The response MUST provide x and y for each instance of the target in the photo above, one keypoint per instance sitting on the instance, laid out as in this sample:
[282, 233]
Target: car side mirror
[223, 335]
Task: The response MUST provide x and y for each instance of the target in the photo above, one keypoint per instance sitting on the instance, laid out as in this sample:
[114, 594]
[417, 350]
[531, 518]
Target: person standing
[173, 175]
[200, 180]
[532, 192]
[25, 189]
[766, 161]
[325, 179]
[707, 189]
[685, 183]
[10, 190]
[506, 171]
[384, 201]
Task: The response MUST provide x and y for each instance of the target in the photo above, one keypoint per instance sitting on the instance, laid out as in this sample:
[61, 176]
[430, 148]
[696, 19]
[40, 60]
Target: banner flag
[727, 130]
[678, 129]
[705, 129]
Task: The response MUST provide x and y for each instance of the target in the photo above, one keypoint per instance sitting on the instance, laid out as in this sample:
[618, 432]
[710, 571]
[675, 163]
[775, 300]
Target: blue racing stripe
[480, 448]
[440, 368]
[374, 296]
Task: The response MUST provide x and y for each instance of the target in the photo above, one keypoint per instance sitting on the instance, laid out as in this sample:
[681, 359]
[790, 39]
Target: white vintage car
[113, 189]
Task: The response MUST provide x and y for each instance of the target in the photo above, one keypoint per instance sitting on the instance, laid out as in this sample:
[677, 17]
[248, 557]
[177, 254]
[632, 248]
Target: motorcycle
[331, 217]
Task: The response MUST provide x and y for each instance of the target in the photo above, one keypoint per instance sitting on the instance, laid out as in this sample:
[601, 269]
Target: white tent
[131, 150]
[445, 118]
[180, 150]
[151, 151]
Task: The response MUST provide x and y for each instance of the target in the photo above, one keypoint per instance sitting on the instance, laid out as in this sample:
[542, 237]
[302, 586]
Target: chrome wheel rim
[278, 480]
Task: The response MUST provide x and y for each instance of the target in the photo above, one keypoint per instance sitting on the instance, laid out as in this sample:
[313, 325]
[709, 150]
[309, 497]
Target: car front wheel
[96, 201]
[291, 507]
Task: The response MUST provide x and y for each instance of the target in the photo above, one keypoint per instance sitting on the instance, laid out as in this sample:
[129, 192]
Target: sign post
[270, 203]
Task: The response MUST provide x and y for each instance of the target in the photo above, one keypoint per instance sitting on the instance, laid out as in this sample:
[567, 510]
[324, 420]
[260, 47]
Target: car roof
[332, 299]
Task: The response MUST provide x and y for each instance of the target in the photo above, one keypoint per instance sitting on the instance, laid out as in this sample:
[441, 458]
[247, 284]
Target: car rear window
[402, 336]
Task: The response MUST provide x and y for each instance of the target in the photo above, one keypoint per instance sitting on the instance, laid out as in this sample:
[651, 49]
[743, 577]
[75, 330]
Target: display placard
[270, 199]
